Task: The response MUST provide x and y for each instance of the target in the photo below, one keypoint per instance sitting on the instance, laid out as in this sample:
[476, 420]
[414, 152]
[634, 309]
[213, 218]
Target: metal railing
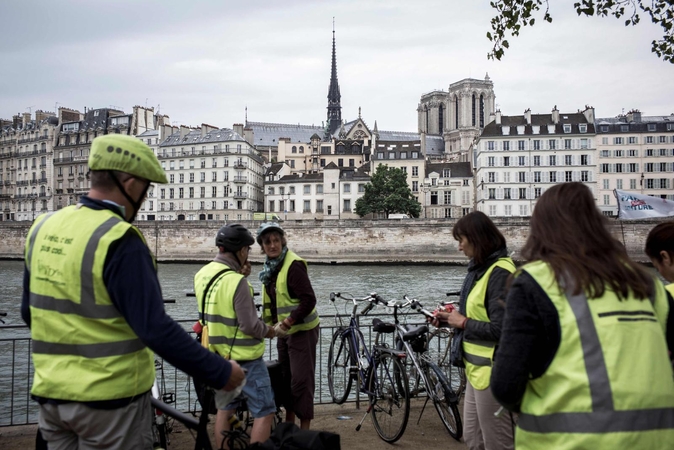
[16, 370]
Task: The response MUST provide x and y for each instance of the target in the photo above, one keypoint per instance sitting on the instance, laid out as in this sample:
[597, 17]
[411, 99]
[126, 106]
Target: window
[584, 175]
[649, 139]
[214, 191]
[506, 161]
[567, 143]
[191, 192]
[319, 206]
[567, 128]
[537, 192]
[649, 152]
[521, 177]
[553, 177]
[319, 188]
[634, 153]
[619, 184]
[632, 140]
[537, 144]
[633, 183]
[171, 192]
[490, 161]
[361, 187]
[506, 145]
[307, 189]
[492, 193]
[537, 160]
[347, 188]
[491, 177]
[568, 176]
[214, 176]
[307, 206]
[583, 160]
[403, 155]
[663, 139]
[568, 160]
[391, 155]
[521, 161]
[551, 144]
[582, 128]
[492, 210]
[490, 145]
[181, 192]
[605, 168]
[537, 177]
[171, 178]
[553, 160]
[347, 205]
[415, 171]
[522, 193]
[506, 193]
[618, 140]
[520, 145]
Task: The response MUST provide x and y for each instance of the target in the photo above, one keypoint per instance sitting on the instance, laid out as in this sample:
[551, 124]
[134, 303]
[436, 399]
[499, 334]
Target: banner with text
[639, 206]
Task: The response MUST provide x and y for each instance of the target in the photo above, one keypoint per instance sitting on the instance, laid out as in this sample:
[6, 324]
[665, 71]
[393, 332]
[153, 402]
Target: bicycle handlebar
[417, 306]
[372, 300]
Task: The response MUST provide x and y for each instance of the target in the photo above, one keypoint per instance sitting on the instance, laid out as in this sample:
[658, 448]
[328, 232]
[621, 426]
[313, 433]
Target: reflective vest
[83, 348]
[224, 334]
[284, 303]
[478, 355]
[610, 382]
[670, 288]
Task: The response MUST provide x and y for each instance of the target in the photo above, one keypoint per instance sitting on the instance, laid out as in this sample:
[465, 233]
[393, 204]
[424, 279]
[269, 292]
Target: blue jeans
[257, 390]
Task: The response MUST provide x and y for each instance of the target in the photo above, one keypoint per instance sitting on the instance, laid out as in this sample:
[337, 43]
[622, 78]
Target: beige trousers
[481, 429]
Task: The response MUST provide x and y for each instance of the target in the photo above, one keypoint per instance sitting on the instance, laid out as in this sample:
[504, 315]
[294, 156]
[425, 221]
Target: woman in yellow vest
[660, 249]
[584, 349]
[289, 304]
[480, 328]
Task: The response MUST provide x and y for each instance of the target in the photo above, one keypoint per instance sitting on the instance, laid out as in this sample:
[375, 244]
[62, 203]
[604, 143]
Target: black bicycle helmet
[233, 237]
[266, 228]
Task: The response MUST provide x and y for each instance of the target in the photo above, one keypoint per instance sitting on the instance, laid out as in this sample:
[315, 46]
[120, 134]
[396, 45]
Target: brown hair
[265, 238]
[569, 233]
[660, 238]
[481, 233]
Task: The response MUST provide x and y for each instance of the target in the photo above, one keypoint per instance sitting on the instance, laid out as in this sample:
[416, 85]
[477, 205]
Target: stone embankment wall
[348, 241]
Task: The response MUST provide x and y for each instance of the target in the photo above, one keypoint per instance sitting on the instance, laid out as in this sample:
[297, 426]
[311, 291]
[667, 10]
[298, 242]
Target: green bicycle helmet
[266, 228]
[125, 154]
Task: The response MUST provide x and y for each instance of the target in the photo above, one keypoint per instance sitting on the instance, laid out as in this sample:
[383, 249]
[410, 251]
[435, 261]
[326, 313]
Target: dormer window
[567, 128]
[505, 131]
[582, 128]
[520, 129]
[624, 128]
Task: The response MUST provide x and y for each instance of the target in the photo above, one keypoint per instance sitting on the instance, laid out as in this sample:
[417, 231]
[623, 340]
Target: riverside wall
[421, 241]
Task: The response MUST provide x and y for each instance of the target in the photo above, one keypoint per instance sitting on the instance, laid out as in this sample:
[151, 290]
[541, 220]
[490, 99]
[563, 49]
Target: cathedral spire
[334, 97]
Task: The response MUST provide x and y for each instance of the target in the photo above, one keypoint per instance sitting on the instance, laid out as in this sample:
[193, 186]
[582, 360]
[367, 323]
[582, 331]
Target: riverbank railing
[16, 370]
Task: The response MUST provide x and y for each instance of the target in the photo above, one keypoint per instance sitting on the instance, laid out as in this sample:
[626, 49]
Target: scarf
[475, 271]
[270, 266]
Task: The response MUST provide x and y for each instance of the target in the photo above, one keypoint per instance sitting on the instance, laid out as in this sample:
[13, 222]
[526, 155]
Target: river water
[426, 283]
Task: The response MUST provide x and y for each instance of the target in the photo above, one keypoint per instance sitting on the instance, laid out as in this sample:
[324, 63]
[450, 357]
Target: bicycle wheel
[339, 364]
[159, 435]
[389, 397]
[444, 400]
[415, 386]
[439, 345]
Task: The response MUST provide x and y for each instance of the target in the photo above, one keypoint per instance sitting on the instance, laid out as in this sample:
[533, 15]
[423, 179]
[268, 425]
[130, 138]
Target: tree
[515, 14]
[388, 192]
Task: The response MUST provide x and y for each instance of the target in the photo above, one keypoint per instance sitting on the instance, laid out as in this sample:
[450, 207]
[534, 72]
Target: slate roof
[457, 169]
[542, 120]
[435, 146]
[398, 136]
[267, 134]
[195, 137]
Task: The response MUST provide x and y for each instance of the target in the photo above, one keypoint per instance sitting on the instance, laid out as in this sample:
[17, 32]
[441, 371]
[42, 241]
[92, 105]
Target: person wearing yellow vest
[235, 332]
[583, 354]
[289, 304]
[480, 328]
[94, 306]
[660, 250]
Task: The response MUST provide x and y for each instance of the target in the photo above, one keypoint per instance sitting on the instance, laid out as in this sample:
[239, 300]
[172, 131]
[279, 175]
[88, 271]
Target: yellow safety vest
[83, 348]
[670, 288]
[224, 335]
[478, 355]
[284, 303]
[610, 383]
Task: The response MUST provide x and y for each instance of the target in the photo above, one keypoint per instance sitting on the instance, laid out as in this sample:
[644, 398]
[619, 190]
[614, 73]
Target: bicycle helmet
[266, 228]
[125, 154]
[233, 237]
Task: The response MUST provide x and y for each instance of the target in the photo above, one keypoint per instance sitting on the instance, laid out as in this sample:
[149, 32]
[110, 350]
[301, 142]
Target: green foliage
[514, 14]
[389, 193]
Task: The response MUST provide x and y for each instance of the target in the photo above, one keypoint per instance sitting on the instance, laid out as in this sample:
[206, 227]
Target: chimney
[238, 129]
[249, 136]
[498, 117]
[555, 115]
[634, 116]
[183, 131]
[527, 115]
[26, 119]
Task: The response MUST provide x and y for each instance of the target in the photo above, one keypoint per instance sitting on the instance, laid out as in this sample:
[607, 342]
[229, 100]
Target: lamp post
[425, 188]
[642, 182]
[286, 196]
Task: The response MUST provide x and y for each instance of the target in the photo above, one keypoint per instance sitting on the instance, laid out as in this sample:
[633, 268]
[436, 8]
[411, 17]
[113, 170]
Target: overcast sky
[206, 61]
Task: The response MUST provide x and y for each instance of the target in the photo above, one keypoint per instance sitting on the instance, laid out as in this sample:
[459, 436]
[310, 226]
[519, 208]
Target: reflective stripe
[311, 317]
[217, 318]
[288, 309]
[230, 341]
[66, 306]
[285, 309]
[486, 344]
[599, 422]
[100, 350]
[593, 354]
[87, 295]
[476, 360]
[32, 239]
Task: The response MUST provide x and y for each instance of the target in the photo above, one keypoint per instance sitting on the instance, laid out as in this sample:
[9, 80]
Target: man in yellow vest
[227, 308]
[94, 306]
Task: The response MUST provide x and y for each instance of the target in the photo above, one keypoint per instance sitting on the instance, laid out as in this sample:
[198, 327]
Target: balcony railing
[240, 195]
[240, 179]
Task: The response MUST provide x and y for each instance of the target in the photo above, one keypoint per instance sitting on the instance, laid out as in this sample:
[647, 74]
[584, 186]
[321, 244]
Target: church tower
[334, 97]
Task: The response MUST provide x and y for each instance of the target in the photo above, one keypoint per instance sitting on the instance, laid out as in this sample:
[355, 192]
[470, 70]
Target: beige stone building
[26, 165]
[635, 154]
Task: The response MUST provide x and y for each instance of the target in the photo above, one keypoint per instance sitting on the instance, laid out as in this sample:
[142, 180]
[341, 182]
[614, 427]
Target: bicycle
[424, 375]
[439, 350]
[379, 371]
[162, 426]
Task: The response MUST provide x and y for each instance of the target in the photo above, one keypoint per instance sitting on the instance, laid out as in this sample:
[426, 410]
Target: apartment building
[214, 174]
[636, 154]
[327, 195]
[518, 157]
[26, 165]
[447, 190]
